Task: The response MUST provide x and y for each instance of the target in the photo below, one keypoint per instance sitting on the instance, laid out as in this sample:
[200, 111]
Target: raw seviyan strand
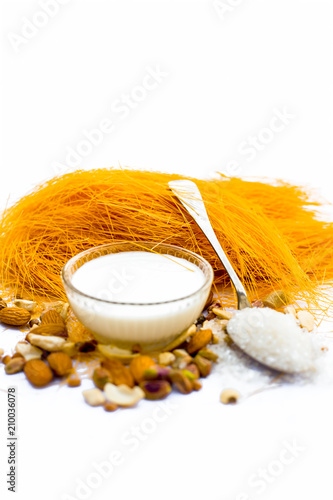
[270, 231]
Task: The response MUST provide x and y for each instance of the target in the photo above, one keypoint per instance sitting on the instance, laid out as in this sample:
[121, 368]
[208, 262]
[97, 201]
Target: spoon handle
[190, 197]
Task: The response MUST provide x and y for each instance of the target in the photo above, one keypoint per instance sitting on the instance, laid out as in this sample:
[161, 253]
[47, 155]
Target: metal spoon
[270, 337]
[190, 197]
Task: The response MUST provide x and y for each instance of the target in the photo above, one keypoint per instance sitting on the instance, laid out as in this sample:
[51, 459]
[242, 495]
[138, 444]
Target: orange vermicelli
[269, 230]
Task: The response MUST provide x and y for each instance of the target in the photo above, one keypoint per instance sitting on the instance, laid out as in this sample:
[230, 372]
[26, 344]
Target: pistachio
[49, 343]
[203, 364]
[156, 372]
[181, 382]
[197, 385]
[29, 305]
[15, 365]
[94, 397]
[122, 395]
[155, 389]
[276, 299]
[28, 351]
[189, 374]
[193, 369]
[101, 376]
[73, 380]
[139, 365]
[229, 396]
[166, 358]
[208, 354]
[222, 313]
[306, 320]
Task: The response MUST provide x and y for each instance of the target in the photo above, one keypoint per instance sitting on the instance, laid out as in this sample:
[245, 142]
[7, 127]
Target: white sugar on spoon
[274, 339]
[268, 336]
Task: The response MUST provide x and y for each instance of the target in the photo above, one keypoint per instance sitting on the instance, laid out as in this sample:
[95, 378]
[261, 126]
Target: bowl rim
[208, 279]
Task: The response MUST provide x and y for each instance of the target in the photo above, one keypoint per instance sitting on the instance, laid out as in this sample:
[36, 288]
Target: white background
[226, 74]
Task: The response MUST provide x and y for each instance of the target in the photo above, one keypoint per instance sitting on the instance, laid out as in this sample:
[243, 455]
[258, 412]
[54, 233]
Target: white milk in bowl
[138, 297]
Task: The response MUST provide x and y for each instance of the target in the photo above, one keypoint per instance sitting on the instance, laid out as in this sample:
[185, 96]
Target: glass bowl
[152, 325]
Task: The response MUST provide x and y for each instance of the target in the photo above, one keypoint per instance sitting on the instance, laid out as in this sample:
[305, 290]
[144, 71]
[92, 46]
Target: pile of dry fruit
[122, 378]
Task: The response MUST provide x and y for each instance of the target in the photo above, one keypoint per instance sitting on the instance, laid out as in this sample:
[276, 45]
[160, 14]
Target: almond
[139, 365]
[38, 373]
[52, 317]
[51, 329]
[60, 363]
[16, 316]
[119, 373]
[199, 341]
